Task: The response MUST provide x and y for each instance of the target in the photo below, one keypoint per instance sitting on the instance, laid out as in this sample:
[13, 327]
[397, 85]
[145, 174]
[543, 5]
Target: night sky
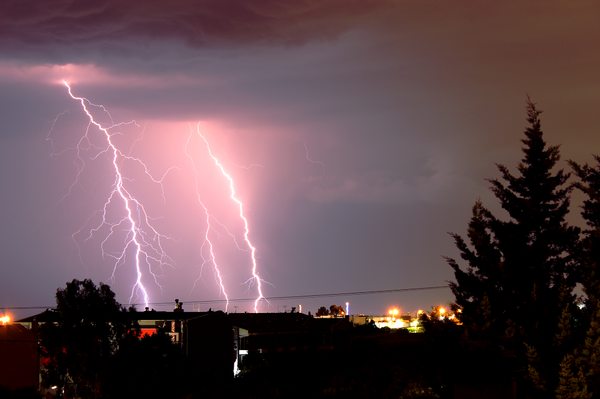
[357, 134]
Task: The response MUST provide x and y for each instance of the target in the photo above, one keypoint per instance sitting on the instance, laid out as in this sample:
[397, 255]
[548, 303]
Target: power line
[273, 298]
[324, 295]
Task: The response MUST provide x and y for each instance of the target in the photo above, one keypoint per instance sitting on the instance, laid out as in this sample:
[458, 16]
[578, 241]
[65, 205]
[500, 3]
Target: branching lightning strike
[207, 241]
[255, 279]
[140, 234]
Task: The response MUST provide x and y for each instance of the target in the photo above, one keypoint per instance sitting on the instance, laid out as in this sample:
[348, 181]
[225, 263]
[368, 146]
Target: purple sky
[372, 126]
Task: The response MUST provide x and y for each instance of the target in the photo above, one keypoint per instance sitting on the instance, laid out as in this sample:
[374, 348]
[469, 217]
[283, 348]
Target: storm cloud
[371, 125]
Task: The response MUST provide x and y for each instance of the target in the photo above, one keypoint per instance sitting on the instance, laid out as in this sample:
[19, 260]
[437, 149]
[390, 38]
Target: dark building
[285, 333]
[216, 342]
[208, 341]
[19, 367]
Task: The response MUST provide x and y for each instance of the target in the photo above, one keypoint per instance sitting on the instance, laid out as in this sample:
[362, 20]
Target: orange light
[442, 310]
[5, 319]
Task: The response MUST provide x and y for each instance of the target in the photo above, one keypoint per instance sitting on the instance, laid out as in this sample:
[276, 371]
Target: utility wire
[273, 298]
[326, 295]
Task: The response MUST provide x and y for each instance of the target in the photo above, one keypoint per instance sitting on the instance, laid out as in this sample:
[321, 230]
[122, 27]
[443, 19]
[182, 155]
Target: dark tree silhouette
[78, 348]
[590, 248]
[333, 310]
[516, 293]
[322, 311]
[336, 310]
[580, 373]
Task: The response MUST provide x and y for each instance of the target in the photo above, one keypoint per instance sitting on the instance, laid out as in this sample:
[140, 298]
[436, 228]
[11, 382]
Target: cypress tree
[516, 294]
[590, 245]
[587, 356]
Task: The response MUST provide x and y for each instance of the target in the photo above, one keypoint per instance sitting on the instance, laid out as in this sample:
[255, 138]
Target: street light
[442, 311]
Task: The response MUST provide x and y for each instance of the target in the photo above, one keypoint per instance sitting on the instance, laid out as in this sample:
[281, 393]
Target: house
[208, 341]
[286, 333]
[205, 337]
[19, 367]
[216, 342]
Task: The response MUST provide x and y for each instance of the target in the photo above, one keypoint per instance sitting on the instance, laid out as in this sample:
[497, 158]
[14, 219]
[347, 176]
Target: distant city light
[441, 311]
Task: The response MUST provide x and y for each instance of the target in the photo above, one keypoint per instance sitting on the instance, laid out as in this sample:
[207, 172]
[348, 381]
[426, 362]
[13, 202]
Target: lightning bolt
[247, 167]
[146, 241]
[255, 279]
[318, 163]
[207, 240]
[134, 224]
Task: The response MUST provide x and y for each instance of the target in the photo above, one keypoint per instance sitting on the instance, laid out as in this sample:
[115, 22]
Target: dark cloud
[68, 29]
[407, 105]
